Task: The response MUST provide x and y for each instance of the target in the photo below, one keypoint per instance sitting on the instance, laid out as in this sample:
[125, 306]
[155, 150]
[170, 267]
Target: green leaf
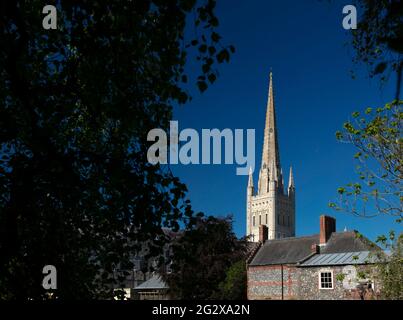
[202, 86]
[215, 36]
[212, 77]
[381, 239]
[223, 55]
[341, 190]
[212, 50]
[380, 68]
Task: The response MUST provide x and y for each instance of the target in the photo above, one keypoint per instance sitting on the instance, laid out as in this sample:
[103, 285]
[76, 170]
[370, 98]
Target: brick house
[329, 265]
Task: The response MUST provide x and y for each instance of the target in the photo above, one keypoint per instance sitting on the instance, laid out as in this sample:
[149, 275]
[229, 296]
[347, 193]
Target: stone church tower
[270, 205]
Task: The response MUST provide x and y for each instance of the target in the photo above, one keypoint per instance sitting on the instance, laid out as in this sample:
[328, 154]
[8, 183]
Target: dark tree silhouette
[201, 258]
[378, 39]
[76, 104]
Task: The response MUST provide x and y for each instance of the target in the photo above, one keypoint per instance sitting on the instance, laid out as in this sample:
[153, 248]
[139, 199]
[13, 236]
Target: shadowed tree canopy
[201, 258]
[378, 39]
[234, 287]
[76, 104]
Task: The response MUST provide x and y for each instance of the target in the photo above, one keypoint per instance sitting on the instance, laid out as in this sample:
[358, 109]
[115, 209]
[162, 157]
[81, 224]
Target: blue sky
[307, 48]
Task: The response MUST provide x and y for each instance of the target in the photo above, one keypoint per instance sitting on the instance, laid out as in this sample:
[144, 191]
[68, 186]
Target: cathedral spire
[271, 203]
[270, 152]
[270, 144]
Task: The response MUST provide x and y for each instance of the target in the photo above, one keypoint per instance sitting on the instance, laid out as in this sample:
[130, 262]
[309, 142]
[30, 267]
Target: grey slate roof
[348, 241]
[298, 249]
[154, 283]
[333, 259]
[284, 251]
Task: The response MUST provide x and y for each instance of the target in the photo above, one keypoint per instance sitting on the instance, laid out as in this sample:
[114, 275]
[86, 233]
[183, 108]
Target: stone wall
[272, 282]
[343, 289]
[265, 282]
[309, 284]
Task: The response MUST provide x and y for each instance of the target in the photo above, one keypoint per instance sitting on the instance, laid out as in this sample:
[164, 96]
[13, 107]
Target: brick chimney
[327, 226]
[263, 233]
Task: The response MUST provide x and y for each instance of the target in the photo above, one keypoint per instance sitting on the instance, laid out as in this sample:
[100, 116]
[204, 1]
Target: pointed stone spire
[270, 152]
[270, 144]
[291, 180]
[250, 181]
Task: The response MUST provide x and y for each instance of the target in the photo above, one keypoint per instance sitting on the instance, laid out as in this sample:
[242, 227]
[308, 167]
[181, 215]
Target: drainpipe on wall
[282, 283]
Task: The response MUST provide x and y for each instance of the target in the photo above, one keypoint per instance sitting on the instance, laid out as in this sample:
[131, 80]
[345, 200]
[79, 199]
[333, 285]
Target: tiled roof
[284, 251]
[348, 241]
[298, 249]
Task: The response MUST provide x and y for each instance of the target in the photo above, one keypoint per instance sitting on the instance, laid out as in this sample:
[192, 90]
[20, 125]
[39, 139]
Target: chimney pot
[327, 227]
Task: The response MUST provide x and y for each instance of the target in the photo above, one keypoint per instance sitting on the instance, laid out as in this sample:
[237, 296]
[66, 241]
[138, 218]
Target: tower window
[266, 219]
[253, 218]
[260, 219]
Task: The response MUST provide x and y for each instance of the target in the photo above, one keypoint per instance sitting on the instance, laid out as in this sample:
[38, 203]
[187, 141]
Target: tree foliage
[76, 104]
[378, 39]
[202, 257]
[389, 268]
[376, 135]
[234, 286]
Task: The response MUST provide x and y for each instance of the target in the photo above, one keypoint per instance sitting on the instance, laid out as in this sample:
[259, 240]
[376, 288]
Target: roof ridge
[359, 251]
[344, 232]
[292, 238]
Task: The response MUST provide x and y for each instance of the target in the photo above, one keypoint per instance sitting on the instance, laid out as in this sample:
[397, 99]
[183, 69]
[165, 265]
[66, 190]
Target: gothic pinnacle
[291, 179]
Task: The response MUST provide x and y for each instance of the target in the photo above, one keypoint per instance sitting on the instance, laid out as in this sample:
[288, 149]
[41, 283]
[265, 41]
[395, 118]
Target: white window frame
[320, 278]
